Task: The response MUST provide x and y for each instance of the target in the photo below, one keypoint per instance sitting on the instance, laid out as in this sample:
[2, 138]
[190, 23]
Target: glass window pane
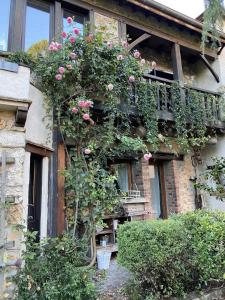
[4, 24]
[37, 26]
[78, 21]
[123, 177]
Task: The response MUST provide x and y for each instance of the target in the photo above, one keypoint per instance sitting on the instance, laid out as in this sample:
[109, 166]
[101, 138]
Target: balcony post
[177, 64]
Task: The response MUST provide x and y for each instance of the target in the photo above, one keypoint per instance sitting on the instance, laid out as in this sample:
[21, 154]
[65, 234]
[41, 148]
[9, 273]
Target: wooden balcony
[210, 101]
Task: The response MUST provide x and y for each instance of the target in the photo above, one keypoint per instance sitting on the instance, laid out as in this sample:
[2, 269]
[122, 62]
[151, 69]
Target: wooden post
[92, 21]
[17, 25]
[57, 20]
[122, 31]
[61, 189]
[177, 64]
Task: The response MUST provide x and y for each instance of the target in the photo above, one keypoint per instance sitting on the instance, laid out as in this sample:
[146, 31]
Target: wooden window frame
[17, 20]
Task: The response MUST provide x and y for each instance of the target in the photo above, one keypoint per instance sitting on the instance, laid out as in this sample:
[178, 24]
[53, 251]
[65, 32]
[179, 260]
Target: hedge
[175, 256]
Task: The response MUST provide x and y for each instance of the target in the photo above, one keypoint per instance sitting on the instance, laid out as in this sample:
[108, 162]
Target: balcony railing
[210, 101]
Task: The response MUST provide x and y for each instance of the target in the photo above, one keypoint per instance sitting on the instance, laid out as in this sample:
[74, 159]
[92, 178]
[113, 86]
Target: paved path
[110, 287]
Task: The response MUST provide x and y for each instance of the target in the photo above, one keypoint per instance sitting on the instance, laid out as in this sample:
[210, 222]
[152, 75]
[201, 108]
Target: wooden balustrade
[210, 101]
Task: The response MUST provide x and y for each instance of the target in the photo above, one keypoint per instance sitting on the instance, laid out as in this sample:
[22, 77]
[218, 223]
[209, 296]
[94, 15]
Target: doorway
[158, 191]
[35, 194]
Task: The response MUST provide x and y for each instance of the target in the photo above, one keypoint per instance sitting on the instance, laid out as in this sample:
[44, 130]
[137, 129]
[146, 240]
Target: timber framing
[142, 38]
[126, 16]
[205, 61]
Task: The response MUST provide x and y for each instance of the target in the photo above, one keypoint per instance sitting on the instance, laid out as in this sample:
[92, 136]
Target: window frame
[39, 4]
[17, 20]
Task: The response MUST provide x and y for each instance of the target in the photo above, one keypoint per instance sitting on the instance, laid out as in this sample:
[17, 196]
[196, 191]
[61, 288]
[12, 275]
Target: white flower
[110, 87]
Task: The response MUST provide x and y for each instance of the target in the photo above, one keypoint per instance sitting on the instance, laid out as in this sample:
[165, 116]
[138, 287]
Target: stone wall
[13, 139]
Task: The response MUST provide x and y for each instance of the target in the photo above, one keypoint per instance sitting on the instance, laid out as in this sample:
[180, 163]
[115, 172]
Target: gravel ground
[111, 287]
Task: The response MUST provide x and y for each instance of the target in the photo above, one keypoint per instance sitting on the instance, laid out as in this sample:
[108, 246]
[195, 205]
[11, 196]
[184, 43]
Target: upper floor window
[4, 23]
[79, 21]
[37, 30]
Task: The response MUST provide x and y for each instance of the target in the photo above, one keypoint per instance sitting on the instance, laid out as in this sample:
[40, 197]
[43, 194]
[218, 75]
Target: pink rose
[61, 70]
[69, 20]
[124, 44]
[72, 39]
[74, 110]
[76, 31]
[137, 54]
[64, 35]
[89, 103]
[86, 117]
[82, 104]
[87, 151]
[53, 47]
[59, 46]
[132, 78]
[110, 44]
[147, 156]
[110, 87]
[69, 67]
[120, 57]
[58, 77]
[73, 55]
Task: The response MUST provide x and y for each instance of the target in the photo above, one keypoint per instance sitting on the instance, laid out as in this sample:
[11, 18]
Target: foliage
[191, 115]
[39, 48]
[176, 256]
[147, 107]
[54, 270]
[212, 22]
[212, 180]
[23, 59]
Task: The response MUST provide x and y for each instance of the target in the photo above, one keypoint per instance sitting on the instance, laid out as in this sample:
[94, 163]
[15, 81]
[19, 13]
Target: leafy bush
[175, 256]
[54, 270]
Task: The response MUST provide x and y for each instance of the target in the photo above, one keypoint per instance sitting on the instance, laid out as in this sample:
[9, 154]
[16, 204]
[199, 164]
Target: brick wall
[179, 189]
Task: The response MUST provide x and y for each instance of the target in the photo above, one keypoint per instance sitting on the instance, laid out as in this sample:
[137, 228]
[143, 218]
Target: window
[79, 21]
[37, 32]
[125, 181]
[4, 23]
[157, 184]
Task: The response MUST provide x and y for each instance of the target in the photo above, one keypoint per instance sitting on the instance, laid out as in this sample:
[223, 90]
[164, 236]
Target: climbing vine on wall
[212, 21]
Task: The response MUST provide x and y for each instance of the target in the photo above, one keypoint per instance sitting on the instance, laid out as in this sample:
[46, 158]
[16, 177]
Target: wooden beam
[39, 150]
[122, 31]
[177, 63]
[140, 23]
[206, 62]
[61, 189]
[141, 38]
[221, 49]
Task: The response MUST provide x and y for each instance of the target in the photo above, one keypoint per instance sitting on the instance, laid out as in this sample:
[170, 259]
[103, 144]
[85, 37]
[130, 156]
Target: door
[158, 192]
[35, 193]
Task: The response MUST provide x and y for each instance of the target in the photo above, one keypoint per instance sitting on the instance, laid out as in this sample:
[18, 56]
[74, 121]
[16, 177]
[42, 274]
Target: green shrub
[53, 270]
[175, 256]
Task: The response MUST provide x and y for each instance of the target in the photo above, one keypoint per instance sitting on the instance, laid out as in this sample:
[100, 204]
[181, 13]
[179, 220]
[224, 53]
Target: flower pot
[103, 259]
